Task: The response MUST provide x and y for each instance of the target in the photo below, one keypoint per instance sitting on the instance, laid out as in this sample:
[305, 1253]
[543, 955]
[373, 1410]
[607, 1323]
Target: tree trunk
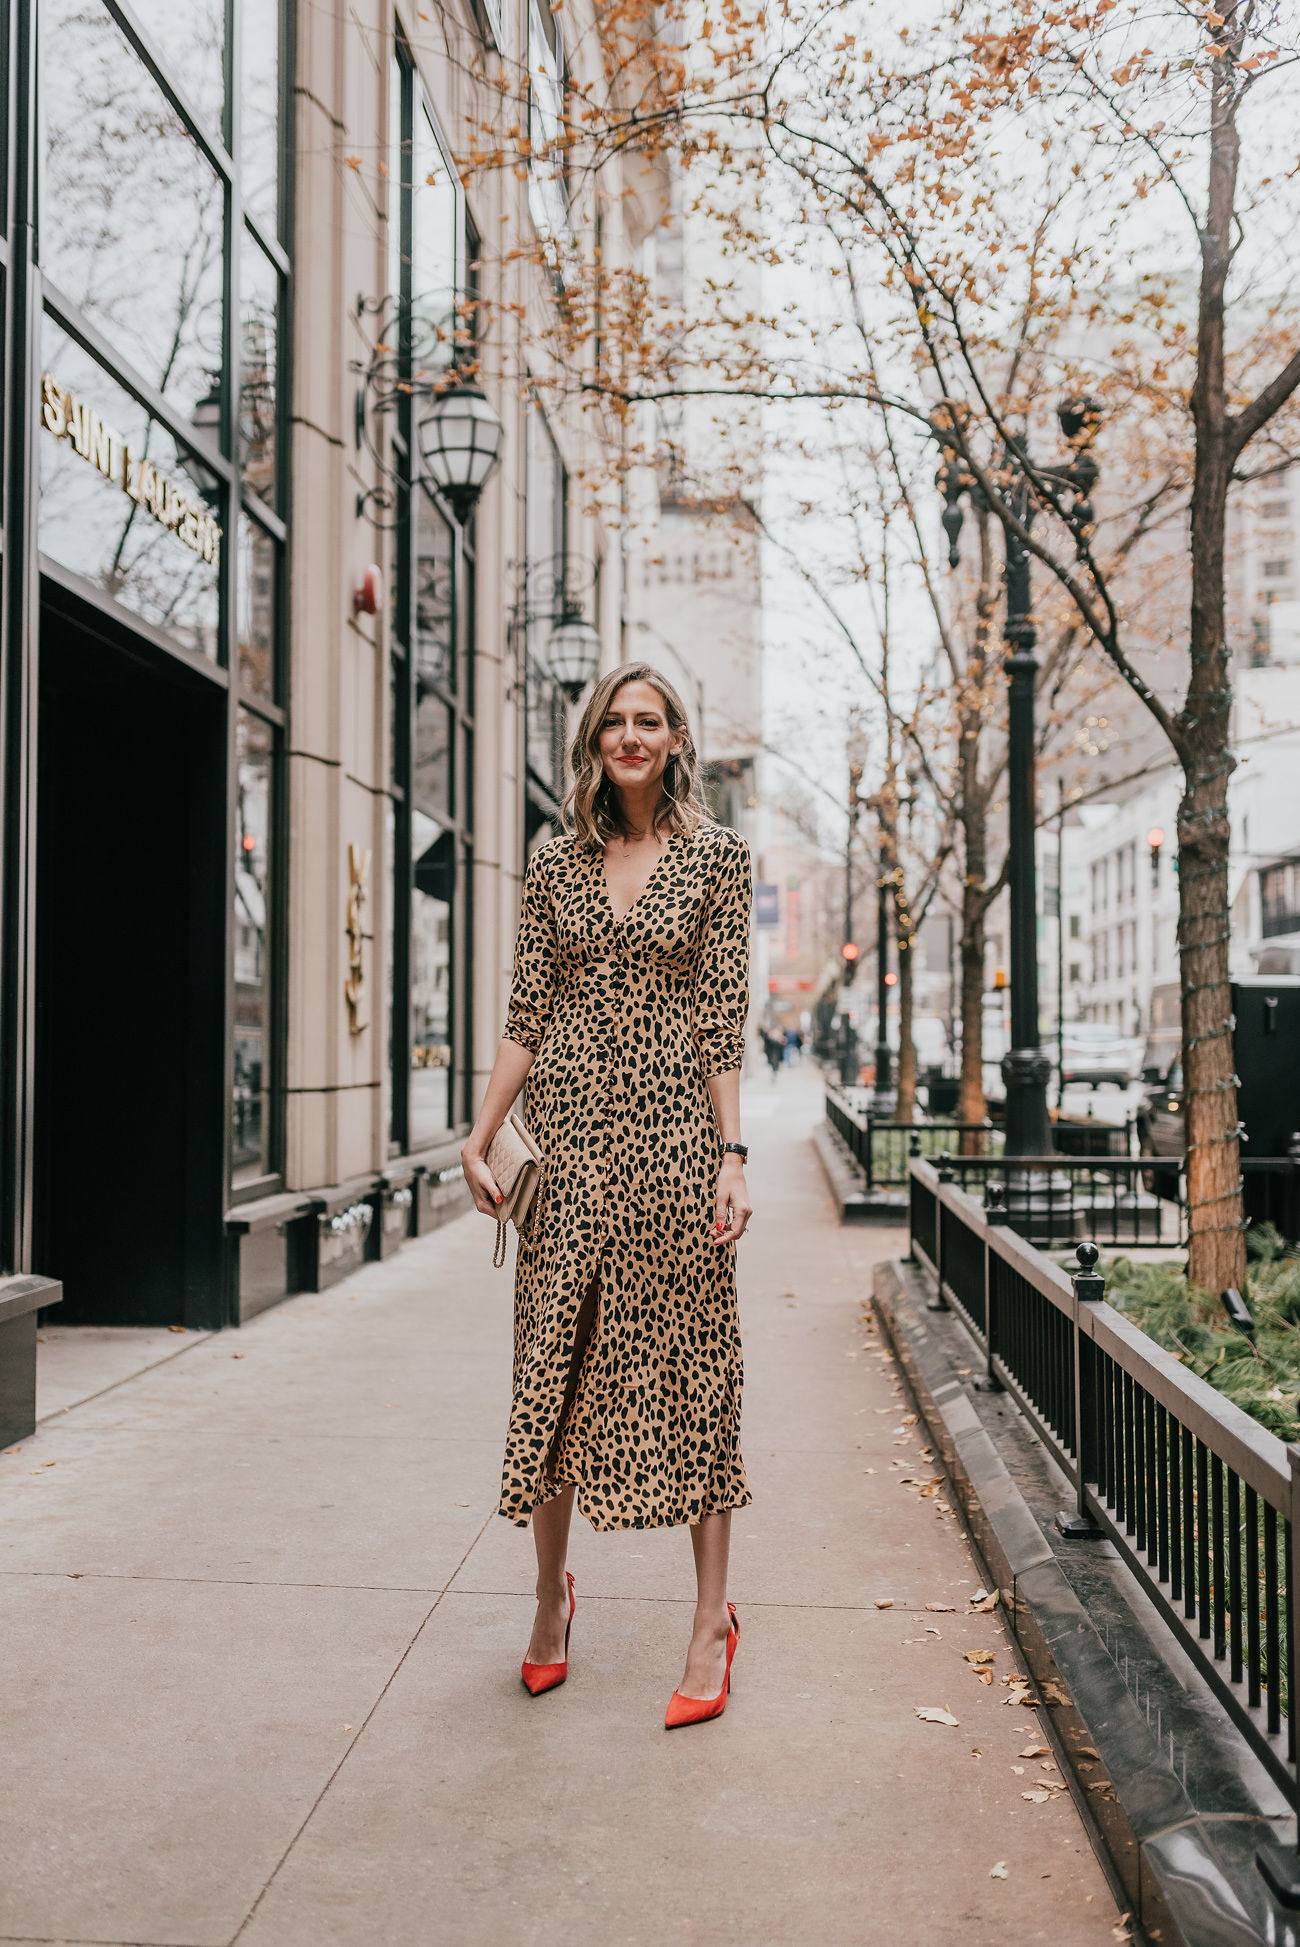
[905, 1106]
[971, 1106]
[1216, 1244]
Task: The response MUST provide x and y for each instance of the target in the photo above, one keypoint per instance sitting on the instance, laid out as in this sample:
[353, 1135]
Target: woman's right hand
[482, 1185]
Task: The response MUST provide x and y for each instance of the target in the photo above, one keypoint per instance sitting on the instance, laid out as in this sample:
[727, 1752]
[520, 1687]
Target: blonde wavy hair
[591, 806]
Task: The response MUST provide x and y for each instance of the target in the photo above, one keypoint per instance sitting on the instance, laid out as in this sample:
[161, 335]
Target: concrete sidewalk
[262, 1629]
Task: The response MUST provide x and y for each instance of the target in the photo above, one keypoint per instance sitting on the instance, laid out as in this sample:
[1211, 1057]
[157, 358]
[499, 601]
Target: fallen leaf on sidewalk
[1055, 1693]
[1037, 1751]
[175, 1328]
[236, 1355]
[462, 1504]
[1037, 1795]
[941, 1608]
[1086, 1751]
[1019, 1770]
[980, 1661]
[910, 1419]
[868, 1470]
[935, 1714]
[986, 1603]
[999, 1871]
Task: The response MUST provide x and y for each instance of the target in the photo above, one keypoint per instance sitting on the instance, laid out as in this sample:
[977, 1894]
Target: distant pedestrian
[774, 1049]
[627, 1017]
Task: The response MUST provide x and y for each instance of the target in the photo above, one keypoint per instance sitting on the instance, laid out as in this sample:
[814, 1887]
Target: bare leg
[706, 1659]
[551, 1539]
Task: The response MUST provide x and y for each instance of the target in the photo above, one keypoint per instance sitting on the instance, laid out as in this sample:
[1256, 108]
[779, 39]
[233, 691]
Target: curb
[1186, 1873]
[856, 1205]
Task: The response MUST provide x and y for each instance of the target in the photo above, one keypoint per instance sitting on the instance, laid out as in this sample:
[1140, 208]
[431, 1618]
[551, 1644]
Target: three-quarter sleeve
[722, 979]
[532, 990]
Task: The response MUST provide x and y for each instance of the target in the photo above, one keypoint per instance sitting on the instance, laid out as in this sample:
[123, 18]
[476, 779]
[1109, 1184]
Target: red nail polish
[498, 1196]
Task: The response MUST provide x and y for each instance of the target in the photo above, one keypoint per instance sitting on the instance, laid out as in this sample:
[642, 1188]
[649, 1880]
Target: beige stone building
[284, 700]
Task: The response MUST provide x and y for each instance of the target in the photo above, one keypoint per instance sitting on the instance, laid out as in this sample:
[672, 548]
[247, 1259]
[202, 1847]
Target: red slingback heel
[549, 1676]
[698, 1710]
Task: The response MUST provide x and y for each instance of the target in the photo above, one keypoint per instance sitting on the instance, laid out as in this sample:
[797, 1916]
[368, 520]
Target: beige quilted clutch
[516, 1165]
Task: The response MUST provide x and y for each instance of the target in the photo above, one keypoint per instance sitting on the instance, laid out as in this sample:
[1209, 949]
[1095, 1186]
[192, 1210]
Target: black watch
[736, 1149]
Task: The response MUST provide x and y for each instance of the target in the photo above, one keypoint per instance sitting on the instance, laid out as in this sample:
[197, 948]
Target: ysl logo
[358, 867]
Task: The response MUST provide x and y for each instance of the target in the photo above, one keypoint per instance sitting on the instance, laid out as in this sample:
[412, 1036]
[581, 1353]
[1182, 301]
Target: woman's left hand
[732, 1208]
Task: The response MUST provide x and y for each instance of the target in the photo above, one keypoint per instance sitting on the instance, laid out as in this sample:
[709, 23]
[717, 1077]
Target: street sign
[767, 904]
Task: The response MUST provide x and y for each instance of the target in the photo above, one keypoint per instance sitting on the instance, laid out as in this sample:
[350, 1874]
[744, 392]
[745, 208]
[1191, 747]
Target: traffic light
[850, 953]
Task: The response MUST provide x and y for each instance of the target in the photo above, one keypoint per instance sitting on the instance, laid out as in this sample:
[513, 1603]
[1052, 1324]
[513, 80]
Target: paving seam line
[47, 1419]
[388, 1682]
[1151, 1841]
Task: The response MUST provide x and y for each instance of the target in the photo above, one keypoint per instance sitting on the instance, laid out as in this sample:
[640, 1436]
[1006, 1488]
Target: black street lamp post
[882, 1102]
[1025, 1068]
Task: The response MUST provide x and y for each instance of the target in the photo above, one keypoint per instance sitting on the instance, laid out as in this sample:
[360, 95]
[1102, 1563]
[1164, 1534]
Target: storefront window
[257, 565]
[259, 109]
[259, 287]
[431, 941]
[132, 214]
[431, 733]
[122, 502]
[431, 779]
[250, 1119]
[191, 42]
[435, 247]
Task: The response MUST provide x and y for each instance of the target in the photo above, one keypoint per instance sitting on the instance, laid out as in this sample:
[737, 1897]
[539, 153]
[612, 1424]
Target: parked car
[1093, 1053]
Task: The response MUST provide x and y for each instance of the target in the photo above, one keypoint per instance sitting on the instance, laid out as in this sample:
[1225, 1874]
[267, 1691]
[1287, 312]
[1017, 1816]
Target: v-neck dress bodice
[627, 1019]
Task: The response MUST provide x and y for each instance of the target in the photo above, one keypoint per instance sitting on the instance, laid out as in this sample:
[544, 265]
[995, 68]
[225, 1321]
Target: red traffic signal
[850, 951]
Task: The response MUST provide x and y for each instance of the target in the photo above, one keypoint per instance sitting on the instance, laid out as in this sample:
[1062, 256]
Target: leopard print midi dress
[627, 1018]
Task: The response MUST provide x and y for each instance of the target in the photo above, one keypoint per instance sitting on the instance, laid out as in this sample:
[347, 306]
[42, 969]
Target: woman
[626, 1016]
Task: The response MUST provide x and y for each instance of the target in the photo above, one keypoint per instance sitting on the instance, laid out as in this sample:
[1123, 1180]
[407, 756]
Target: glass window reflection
[259, 111]
[259, 290]
[97, 520]
[250, 1118]
[190, 41]
[434, 565]
[257, 570]
[431, 909]
[435, 248]
[132, 215]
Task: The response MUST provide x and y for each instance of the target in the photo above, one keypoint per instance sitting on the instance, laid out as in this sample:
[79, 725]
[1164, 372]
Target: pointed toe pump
[697, 1710]
[549, 1676]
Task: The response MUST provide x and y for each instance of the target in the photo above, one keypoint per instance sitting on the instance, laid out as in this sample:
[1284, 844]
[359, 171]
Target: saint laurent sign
[102, 447]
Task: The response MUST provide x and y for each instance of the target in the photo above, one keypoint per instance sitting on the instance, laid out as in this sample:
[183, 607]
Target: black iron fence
[882, 1148]
[1201, 1501]
[1056, 1200]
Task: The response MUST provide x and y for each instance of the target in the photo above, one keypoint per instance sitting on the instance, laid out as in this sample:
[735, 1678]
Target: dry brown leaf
[1086, 1751]
[999, 1871]
[941, 1608]
[1037, 1795]
[990, 1602]
[1037, 1751]
[1019, 1770]
[175, 1328]
[934, 1714]
[884, 1602]
[1054, 1692]
[978, 1656]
